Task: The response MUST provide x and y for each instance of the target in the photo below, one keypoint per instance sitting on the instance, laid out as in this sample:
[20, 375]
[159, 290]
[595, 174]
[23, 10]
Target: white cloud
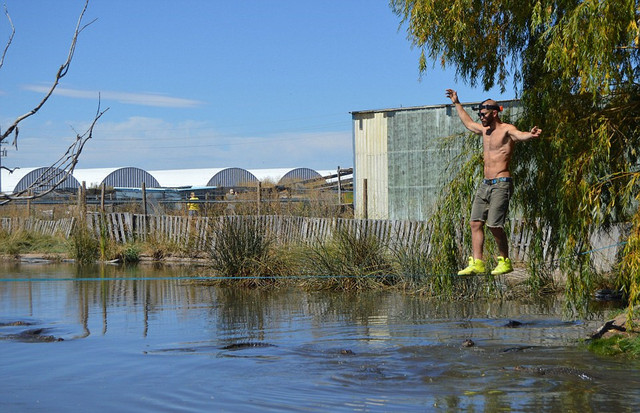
[143, 99]
[155, 144]
[150, 143]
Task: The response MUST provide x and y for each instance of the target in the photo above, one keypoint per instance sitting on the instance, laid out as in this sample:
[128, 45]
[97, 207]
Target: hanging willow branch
[55, 174]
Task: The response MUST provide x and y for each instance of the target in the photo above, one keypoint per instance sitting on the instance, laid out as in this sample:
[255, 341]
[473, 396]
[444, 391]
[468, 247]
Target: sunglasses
[487, 107]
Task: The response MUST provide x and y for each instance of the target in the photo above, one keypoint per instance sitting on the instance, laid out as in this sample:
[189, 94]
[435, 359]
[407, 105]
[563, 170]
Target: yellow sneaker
[504, 266]
[475, 267]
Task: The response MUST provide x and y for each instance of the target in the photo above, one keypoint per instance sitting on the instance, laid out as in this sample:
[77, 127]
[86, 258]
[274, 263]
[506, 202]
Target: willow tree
[575, 67]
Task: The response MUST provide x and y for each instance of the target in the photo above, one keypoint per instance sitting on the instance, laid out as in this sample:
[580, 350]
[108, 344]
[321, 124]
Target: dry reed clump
[158, 249]
[25, 242]
[351, 260]
[242, 252]
[83, 245]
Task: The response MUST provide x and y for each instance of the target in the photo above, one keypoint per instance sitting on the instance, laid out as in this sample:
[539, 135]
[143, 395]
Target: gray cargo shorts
[491, 203]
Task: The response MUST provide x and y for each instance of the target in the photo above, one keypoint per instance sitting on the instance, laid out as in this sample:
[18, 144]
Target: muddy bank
[618, 326]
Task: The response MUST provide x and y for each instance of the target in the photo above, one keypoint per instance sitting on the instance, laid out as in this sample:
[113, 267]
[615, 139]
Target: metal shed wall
[50, 176]
[232, 177]
[299, 174]
[371, 163]
[397, 151]
[130, 177]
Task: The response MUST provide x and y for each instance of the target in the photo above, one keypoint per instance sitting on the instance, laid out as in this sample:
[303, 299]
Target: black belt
[496, 180]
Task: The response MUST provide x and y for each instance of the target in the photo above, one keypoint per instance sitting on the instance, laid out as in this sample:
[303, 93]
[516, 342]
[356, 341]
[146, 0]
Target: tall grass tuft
[351, 260]
[83, 246]
[243, 250]
[412, 261]
[129, 254]
[24, 242]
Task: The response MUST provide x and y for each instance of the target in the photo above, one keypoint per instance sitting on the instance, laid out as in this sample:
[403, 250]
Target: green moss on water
[616, 346]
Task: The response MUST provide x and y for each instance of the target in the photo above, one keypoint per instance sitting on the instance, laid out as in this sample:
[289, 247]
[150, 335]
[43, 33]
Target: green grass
[242, 250]
[23, 242]
[83, 246]
[349, 261]
[129, 253]
[617, 345]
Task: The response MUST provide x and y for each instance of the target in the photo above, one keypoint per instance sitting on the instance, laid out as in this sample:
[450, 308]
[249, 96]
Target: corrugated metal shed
[48, 177]
[10, 179]
[169, 178]
[130, 177]
[396, 151]
[371, 163]
[299, 174]
[232, 177]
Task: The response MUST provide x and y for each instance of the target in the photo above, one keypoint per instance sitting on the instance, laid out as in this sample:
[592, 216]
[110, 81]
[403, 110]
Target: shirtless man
[491, 202]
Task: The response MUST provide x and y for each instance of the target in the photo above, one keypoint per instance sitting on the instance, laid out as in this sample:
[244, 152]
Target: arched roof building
[131, 177]
[230, 177]
[47, 177]
[298, 174]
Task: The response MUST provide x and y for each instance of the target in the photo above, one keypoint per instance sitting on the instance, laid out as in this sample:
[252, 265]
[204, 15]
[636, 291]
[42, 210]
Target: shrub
[241, 249]
[350, 260]
[83, 246]
[129, 254]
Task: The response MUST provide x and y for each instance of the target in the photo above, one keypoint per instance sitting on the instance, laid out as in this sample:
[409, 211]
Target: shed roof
[168, 178]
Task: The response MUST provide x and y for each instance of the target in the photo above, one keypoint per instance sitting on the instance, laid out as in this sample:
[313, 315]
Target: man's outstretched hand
[535, 132]
[453, 95]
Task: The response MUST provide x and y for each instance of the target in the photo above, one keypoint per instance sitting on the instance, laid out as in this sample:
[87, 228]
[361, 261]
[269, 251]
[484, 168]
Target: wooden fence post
[259, 195]
[102, 190]
[29, 202]
[144, 211]
[339, 190]
[82, 201]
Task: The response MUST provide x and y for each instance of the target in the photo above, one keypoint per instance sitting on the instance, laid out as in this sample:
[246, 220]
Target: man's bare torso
[497, 150]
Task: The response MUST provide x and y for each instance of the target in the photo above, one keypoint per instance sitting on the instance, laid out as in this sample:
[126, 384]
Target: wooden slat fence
[200, 232]
[45, 227]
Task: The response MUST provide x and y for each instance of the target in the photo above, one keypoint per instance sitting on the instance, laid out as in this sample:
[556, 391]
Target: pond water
[146, 340]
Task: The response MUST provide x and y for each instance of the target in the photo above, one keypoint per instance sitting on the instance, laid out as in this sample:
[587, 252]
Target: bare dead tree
[55, 174]
[51, 177]
[13, 32]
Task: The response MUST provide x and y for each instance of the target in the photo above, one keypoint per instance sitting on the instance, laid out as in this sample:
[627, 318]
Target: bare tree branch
[62, 71]
[62, 169]
[59, 171]
[9, 169]
[13, 32]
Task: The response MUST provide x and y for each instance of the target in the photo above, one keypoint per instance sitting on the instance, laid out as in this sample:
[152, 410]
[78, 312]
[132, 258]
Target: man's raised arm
[468, 123]
[518, 135]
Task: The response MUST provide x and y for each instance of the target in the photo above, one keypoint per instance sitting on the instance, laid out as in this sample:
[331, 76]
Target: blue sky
[208, 83]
